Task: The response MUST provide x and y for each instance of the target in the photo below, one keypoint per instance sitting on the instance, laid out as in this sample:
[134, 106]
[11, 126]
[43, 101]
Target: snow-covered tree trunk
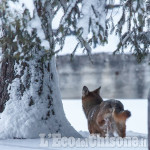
[6, 77]
[30, 97]
[34, 105]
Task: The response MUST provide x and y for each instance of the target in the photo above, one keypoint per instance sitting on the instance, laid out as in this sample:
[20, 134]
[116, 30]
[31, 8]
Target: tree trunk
[6, 77]
[30, 99]
[33, 100]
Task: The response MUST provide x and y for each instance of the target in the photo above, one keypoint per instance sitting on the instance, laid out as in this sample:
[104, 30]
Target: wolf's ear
[97, 91]
[85, 91]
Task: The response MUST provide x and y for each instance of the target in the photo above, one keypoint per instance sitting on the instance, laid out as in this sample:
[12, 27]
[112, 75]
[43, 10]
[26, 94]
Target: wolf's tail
[121, 116]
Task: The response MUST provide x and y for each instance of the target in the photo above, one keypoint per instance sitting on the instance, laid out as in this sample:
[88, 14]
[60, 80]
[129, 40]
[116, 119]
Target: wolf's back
[112, 104]
[117, 110]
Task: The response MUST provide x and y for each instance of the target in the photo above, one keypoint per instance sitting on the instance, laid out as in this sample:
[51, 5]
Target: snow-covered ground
[34, 144]
[137, 122]
[136, 126]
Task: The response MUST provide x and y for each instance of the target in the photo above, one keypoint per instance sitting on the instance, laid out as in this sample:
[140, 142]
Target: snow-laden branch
[93, 17]
[68, 10]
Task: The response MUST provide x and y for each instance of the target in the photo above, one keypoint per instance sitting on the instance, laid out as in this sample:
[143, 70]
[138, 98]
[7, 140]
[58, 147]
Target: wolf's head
[92, 97]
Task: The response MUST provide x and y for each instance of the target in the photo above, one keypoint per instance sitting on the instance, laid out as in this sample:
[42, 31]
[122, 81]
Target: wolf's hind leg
[110, 131]
[121, 129]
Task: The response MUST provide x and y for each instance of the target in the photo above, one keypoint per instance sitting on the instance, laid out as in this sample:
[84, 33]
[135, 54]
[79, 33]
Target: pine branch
[109, 6]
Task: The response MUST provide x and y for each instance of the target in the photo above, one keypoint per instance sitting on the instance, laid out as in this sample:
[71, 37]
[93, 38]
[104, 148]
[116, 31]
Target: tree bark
[6, 77]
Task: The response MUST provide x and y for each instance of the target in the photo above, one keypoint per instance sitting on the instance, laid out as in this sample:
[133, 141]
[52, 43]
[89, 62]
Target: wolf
[104, 117]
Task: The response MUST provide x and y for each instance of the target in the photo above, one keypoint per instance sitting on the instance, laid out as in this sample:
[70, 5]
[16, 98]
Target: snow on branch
[23, 23]
[93, 17]
[68, 10]
[87, 19]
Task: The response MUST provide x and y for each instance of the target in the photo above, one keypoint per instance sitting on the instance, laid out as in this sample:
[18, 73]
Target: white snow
[1, 30]
[110, 47]
[35, 23]
[74, 113]
[71, 5]
[99, 16]
[135, 5]
[45, 44]
[57, 19]
[34, 144]
[70, 41]
[17, 8]
[29, 5]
